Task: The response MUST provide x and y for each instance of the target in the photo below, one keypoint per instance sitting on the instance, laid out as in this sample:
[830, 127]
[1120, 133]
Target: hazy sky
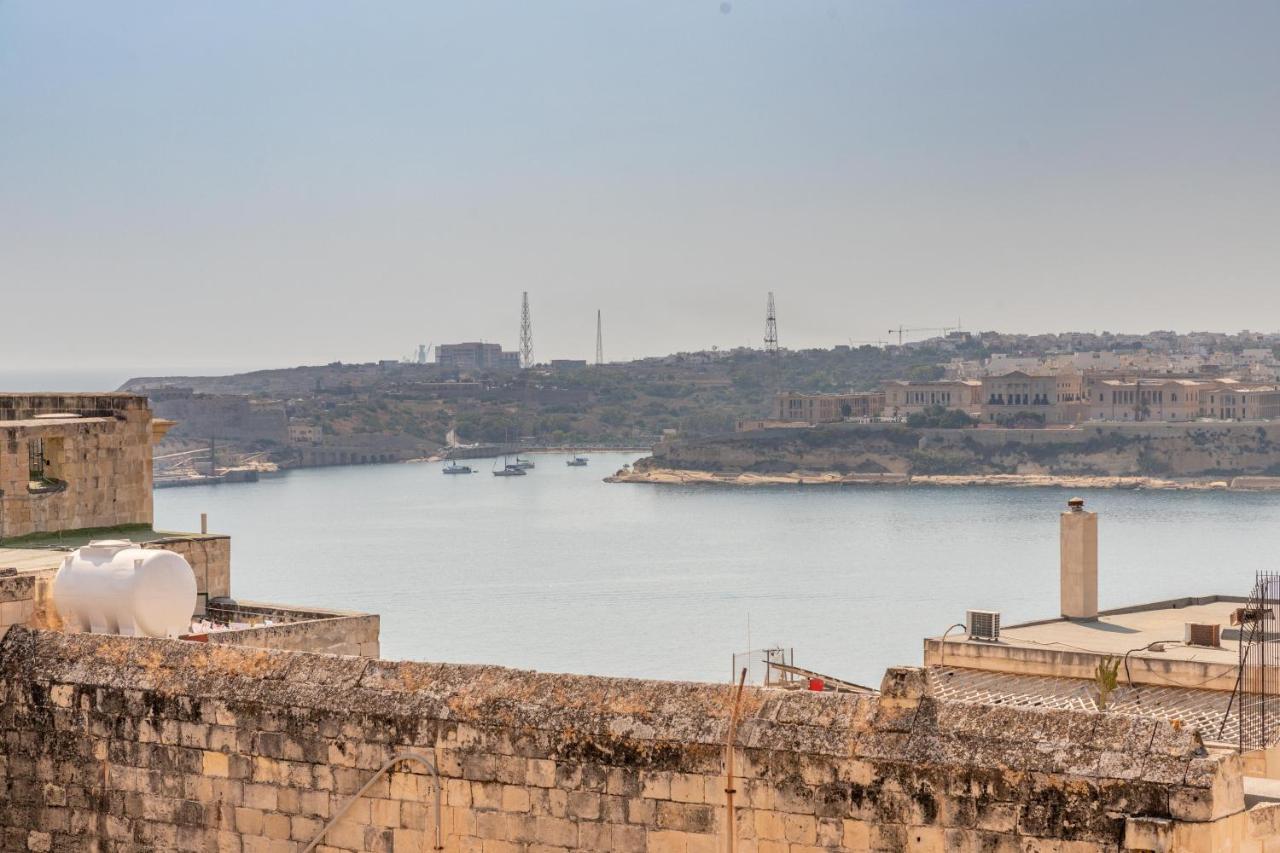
[229, 185]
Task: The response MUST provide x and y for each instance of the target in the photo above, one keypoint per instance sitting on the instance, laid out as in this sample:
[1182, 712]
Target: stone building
[791, 406]
[304, 432]
[1235, 403]
[1145, 398]
[903, 398]
[58, 452]
[1018, 392]
[475, 355]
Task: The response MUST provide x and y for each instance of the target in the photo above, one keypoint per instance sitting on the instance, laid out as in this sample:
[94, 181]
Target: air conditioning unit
[983, 624]
[1198, 634]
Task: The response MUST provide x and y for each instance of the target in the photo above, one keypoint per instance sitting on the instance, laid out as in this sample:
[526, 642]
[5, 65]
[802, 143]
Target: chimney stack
[1079, 573]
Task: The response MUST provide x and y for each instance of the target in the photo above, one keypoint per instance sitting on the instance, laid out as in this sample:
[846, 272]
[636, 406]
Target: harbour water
[559, 571]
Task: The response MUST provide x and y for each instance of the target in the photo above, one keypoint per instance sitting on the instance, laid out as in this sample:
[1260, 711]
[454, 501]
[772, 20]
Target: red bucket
[817, 684]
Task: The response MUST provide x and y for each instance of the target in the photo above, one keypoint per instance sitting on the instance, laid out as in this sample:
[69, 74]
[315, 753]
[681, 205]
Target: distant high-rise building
[475, 355]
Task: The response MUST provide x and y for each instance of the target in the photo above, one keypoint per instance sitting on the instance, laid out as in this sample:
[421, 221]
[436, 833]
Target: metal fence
[1258, 690]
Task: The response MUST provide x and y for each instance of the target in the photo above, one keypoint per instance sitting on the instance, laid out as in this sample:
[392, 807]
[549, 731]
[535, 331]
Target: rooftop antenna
[526, 333]
[599, 341]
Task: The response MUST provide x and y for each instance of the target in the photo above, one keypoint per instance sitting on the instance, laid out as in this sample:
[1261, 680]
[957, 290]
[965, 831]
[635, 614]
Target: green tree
[937, 416]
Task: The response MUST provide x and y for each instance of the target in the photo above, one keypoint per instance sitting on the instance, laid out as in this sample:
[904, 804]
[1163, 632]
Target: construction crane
[901, 330]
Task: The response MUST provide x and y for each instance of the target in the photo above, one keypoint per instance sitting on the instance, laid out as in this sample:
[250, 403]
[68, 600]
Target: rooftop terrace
[1149, 638]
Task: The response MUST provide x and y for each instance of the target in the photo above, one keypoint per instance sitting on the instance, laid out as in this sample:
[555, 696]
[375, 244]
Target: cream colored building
[1145, 399]
[903, 398]
[1232, 403]
[1055, 397]
[827, 408]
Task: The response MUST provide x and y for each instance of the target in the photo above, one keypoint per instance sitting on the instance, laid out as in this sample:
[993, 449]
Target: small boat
[524, 464]
[455, 468]
[509, 469]
[576, 462]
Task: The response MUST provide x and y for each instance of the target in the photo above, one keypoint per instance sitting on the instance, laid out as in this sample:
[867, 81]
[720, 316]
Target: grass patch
[136, 532]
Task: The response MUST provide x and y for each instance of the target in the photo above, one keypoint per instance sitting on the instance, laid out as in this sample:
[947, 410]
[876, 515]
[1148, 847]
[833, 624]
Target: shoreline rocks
[685, 477]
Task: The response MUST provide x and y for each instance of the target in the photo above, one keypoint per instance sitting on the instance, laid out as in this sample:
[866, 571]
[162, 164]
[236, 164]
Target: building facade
[475, 355]
[827, 408]
[1232, 403]
[304, 432]
[57, 449]
[903, 398]
[1144, 399]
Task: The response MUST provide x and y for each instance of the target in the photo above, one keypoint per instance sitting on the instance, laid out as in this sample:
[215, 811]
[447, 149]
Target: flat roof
[1117, 632]
[1071, 648]
[43, 552]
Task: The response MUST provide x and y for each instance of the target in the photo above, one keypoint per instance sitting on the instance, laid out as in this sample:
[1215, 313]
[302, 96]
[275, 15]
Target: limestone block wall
[17, 600]
[334, 635]
[210, 558]
[103, 456]
[120, 744]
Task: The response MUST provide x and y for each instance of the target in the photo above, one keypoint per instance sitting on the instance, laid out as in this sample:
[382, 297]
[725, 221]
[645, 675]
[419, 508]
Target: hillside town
[456, 394]
[1149, 381]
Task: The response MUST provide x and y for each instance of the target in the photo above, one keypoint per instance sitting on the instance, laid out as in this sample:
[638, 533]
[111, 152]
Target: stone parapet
[159, 744]
[209, 556]
[103, 439]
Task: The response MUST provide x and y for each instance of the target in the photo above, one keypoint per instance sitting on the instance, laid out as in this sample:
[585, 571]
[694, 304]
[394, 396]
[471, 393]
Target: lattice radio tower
[526, 333]
[599, 341]
[771, 344]
[771, 328]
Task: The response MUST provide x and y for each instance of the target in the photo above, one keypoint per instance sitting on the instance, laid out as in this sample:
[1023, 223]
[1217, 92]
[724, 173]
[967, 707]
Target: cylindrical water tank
[115, 587]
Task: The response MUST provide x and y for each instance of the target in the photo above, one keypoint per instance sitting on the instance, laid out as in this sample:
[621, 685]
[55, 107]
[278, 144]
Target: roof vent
[1198, 634]
[983, 625]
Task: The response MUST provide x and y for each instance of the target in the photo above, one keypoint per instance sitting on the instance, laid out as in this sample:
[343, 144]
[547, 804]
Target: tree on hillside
[939, 417]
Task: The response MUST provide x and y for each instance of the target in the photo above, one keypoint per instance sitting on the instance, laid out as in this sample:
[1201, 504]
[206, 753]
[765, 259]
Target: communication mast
[771, 328]
[526, 333]
[771, 344]
[599, 341]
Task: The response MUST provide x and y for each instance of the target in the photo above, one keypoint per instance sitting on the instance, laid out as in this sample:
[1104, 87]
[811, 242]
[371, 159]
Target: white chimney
[1079, 573]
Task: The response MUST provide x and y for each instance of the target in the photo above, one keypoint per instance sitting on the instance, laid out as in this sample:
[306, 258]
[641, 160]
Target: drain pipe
[404, 756]
[731, 829]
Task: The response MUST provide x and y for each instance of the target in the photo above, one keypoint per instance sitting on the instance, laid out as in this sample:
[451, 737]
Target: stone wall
[117, 744]
[225, 417]
[209, 556]
[17, 599]
[109, 441]
[330, 632]
[338, 635]
[1145, 449]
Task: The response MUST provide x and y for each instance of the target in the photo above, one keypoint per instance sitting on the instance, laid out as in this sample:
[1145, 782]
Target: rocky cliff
[1111, 450]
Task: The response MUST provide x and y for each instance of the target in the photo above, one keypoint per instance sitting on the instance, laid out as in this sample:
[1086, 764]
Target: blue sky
[232, 185]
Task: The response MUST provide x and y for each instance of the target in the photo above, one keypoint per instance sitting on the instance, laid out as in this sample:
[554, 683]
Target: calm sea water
[559, 571]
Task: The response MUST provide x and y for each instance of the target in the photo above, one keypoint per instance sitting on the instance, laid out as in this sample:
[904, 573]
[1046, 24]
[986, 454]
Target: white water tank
[115, 587]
